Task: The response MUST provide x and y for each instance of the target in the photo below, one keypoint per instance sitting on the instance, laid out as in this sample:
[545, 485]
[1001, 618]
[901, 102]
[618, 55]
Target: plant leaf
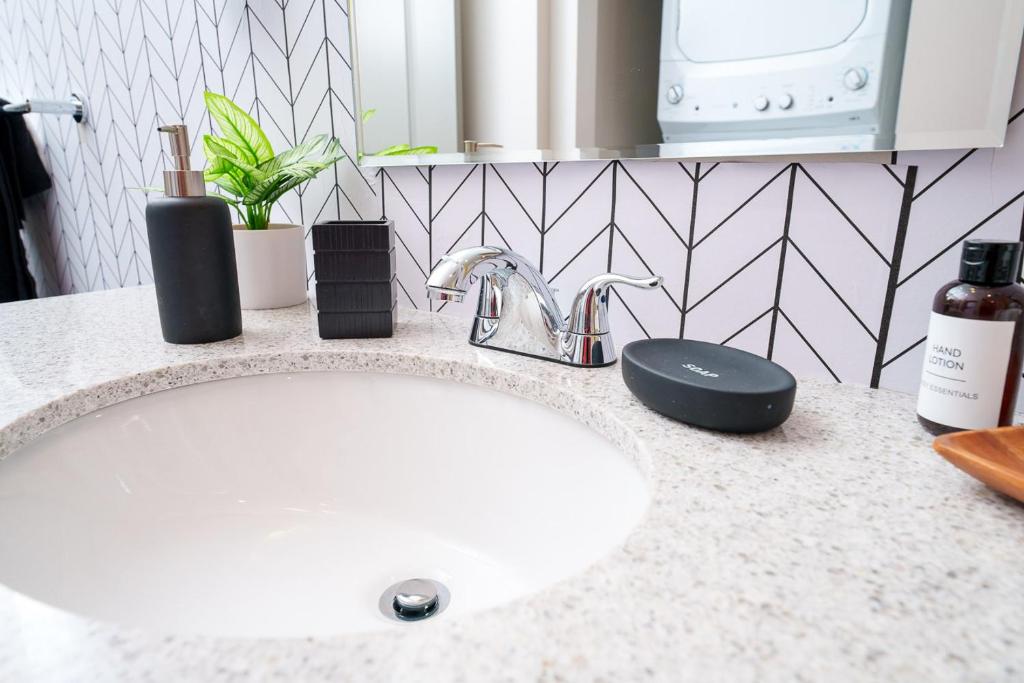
[218, 167]
[221, 166]
[227, 150]
[271, 189]
[392, 150]
[399, 150]
[292, 168]
[228, 200]
[227, 182]
[240, 128]
[296, 153]
[226, 169]
[368, 114]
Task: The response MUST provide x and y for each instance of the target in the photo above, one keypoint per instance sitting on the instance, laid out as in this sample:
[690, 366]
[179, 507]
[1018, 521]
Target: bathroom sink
[284, 505]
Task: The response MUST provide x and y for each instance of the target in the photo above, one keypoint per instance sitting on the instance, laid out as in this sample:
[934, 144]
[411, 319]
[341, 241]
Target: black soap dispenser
[193, 252]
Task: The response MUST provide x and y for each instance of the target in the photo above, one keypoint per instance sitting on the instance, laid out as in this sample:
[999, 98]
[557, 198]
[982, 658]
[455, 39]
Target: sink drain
[414, 600]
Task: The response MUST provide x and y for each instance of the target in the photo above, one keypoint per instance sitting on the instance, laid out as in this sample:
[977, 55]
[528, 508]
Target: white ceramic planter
[271, 266]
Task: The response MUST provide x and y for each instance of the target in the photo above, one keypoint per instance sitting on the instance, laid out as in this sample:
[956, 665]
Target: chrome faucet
[518, 313]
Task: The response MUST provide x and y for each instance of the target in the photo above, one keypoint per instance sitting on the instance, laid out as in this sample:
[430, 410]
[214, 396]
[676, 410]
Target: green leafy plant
[403, 149]
[395, 150]
[243, 164]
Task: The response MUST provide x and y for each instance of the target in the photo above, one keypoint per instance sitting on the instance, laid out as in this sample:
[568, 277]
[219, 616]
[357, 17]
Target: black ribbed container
[353, 266]
[357, 325]
[193, 254]
[356, 289]
[356, 296]
[354, 236]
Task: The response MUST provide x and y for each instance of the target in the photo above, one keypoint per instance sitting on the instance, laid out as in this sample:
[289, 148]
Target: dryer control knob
[761, 103]
[855, 78]
[785, 101]
[674, 94]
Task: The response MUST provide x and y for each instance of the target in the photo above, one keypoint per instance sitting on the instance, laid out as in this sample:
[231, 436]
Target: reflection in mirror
[448, 81]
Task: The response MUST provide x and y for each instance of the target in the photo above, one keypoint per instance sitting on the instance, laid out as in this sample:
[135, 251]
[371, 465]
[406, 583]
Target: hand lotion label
[964, 371]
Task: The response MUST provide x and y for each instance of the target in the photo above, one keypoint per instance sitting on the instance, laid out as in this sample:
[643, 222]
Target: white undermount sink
[284, 505]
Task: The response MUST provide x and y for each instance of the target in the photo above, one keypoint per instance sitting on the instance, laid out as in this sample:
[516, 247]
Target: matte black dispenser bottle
[972, 358]
[193, 253]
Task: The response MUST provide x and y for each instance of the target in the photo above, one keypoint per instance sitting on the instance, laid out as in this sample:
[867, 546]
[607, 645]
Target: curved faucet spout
[454, 275]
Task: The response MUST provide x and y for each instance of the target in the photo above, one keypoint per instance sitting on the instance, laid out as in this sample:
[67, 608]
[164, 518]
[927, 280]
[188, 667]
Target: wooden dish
[993, 456]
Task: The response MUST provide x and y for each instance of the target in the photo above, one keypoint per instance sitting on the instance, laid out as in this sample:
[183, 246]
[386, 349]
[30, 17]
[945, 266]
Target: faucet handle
[589, 313]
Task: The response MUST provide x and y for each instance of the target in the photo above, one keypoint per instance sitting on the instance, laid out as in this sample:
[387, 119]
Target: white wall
[434, 91]
[955, 96]
[617, 63]
[500, 85]
[563, 33]
[382, 43]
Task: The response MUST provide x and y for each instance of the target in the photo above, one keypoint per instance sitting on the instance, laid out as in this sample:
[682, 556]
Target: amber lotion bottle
[972, 360]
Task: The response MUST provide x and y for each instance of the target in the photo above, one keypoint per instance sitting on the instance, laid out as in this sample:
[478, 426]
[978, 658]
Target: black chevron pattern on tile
[840, 292]
[826, 268]
[630, 224]
[404, 196]
[649, 237]
[937, 216]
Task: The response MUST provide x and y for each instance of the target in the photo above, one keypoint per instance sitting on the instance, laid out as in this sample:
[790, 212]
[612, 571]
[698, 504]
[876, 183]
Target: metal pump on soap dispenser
[193, 250]
[181, 181]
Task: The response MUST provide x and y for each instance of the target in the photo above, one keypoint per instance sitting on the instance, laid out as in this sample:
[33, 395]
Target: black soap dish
[708, 385]
[356, 289]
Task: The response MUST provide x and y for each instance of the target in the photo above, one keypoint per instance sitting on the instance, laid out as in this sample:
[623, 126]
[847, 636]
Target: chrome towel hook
[73, 105]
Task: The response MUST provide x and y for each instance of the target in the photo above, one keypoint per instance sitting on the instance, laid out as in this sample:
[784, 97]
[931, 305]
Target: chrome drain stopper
[414, 599]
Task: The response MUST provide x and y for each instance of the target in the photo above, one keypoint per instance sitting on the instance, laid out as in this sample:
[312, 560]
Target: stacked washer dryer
[822, 75]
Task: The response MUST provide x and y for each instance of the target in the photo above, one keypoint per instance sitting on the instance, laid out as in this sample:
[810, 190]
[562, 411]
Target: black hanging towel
[22, 175]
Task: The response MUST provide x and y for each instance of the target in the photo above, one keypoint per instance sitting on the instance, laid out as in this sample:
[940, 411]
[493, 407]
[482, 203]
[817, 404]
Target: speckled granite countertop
[837, 547]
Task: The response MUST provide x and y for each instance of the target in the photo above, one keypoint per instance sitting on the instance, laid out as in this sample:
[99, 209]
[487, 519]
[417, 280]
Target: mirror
[455, 81]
